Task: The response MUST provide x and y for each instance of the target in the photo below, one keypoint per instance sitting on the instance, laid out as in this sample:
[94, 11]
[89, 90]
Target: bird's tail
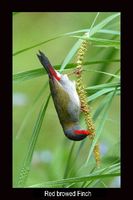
[47, 65]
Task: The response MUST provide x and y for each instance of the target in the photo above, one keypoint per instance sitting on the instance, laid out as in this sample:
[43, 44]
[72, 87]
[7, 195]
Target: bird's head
[76, 133]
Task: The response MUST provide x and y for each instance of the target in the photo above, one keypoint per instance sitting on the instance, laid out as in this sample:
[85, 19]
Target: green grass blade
[73, 51]
[72, 169]
[106, 73]
[117, 47]
[107, 31]
[70, 54]
[105, 42]
[44, 42]
[24, 171]
[28, 114]
[101, 42]
[92, 25]
[75, 180]
[99, 26]
[116, 73]
[100, 93]
[103, 86]
[68, 164]
[27, 75]
[33, 46]
[36, 130]
[77, 44]
[100, 108]
[114, 168]
[110, 54]
[101, 124]
[106, 172]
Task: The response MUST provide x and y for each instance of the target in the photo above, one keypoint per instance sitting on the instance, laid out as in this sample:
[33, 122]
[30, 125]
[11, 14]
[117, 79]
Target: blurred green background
[52, 148]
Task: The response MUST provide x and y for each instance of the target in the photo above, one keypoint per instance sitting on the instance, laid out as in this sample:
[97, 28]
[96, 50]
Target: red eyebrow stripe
[82, 132]
[53, 72]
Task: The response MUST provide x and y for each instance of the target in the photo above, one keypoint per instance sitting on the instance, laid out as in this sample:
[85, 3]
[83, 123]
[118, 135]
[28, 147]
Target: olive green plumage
[66, 101]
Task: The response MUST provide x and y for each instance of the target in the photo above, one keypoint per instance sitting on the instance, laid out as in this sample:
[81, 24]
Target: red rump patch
[82, 132]
[53, 72]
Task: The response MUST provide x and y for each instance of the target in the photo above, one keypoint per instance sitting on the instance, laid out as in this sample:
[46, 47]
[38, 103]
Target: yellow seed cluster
[97, 154]
[84, 106]
[83, 98]
[81, 90]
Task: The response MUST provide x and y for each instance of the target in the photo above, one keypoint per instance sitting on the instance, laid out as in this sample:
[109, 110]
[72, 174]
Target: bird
[66, 100]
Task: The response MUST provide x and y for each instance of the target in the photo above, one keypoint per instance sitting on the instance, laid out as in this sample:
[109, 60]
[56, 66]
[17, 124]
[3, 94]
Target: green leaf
[101, 124]
[30, 74]
[104, 22]
[106, 31]
[100, 42]
[70, 54]
[30, 111]
[106, 73]
[74, 49]
[100, 108]
[100, 93]
[111, 78]
[68, 164]
[36, 131]
[107, 172]
[112, 168]
[93, 30]
[105, 42]
[75, 180]
[33, 46]
[103, 86]
[24, 171]
[26, 75]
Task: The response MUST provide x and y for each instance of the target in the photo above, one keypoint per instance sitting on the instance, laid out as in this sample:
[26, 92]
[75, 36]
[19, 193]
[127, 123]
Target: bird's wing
[62, 102]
